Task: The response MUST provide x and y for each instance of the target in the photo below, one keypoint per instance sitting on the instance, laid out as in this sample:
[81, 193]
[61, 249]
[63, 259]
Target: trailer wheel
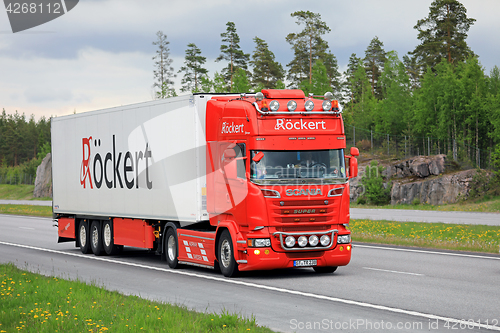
[107, 239]
[84, 237]
[96, 238]
[171, 248]
[227, 263]
[327, 269]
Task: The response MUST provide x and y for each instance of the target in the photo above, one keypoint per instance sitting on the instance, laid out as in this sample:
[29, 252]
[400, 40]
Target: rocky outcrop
[43, 181]
[437, 191]
[419, 166]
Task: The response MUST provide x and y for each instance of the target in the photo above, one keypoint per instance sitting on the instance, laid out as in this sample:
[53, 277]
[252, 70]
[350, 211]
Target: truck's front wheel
[227, 263]
[96, 238]
[171, 248]
[84, 237]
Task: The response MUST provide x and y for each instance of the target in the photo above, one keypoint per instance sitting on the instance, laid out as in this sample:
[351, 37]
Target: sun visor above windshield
[283, 93]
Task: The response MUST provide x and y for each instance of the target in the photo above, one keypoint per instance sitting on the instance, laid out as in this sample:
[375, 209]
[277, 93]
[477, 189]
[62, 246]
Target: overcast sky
[100, 53]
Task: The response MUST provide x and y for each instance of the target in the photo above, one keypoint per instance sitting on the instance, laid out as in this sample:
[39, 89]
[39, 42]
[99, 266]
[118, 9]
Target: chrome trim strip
[241, 261]
[241, 242]
[184, 235]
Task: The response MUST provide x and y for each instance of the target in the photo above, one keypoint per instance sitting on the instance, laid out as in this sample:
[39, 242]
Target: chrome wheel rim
[83, 235]
[171, 248]
[107, 235]
[225, 253]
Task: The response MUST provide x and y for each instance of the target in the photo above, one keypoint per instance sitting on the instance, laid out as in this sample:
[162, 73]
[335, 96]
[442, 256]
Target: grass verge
[30, 210]
[35, 303]
[475, 238]
[491, 205]
[18, 192]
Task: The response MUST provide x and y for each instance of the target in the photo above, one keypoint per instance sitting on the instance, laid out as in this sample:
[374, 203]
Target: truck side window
[240, 150]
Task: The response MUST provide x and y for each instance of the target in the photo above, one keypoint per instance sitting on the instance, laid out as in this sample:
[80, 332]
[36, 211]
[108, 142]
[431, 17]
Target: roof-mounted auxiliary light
[274, 105]
[291, 105]
[309, 105]
[259, 96]
[327, 105]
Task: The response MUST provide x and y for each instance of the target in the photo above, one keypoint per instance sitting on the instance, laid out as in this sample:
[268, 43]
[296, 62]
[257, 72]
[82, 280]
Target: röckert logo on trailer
[109, 167]
[27, 14]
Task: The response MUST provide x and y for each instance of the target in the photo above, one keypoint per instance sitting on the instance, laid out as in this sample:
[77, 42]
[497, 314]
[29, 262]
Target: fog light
[313, 240]
[302, 241]
[257, 252]
[348, 247]
[324, 240]
[290, 241]
[341, 248]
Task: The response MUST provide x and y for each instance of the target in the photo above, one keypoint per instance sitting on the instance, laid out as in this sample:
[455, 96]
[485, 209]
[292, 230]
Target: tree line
[23, 144]
[439, 90]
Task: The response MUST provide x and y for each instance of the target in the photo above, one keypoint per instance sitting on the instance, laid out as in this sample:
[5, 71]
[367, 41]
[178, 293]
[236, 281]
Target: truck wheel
[107, 239]
[227, 263]
[171, 249]
[84, 237]
[96, 238]
[327, 269]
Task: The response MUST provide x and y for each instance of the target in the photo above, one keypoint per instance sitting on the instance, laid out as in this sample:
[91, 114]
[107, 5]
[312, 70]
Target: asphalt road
[383, 288]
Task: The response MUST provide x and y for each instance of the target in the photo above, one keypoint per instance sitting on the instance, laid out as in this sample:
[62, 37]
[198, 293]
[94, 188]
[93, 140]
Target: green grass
[34, 303]
[485, 206]
[30, 210]
[476, 238]
[18, 192]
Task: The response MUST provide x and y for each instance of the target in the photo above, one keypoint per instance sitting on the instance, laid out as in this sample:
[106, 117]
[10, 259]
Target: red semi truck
[236, 182]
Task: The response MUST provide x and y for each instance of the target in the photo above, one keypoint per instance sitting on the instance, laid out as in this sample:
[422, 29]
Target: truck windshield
[305, 166]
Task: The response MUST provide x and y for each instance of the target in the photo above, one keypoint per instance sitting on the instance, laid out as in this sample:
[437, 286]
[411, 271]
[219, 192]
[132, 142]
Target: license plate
[304, 263]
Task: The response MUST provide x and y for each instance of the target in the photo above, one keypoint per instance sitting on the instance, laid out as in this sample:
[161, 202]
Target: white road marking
[26, 228]
[424, 251]
[386, 270]
[264, 287]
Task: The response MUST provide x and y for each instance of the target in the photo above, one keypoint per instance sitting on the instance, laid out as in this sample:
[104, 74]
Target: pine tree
[193, 69]
[442, 34]
[232, 53]
[374, 60]
[308, 46]
[163, 72]
[240, 84]
[266, 71]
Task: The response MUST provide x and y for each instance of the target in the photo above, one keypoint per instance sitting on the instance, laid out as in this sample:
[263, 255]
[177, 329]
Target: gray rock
[43, 181]
[437, 191]
[420, 167]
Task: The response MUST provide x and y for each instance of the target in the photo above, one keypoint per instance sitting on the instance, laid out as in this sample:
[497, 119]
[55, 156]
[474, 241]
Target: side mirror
[354, 151]
[258, 157]
[353, 166]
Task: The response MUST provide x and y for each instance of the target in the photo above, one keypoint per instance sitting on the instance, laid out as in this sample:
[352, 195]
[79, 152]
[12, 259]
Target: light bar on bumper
[286, 240]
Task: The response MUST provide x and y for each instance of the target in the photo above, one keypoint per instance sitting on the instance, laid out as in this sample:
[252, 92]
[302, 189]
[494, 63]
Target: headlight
[313, 240]
[325, 240]
[259, 242]
[343, 239]
[274, 105]
[309, 105]
[290, 241]
[291, 105]
[327, 105]
[302, 241]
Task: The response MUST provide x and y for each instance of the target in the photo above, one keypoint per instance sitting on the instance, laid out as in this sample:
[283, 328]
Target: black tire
[96, 238]
[327, 269]
[108, 239]
[84, 237]
[171, 248]
[227, 264]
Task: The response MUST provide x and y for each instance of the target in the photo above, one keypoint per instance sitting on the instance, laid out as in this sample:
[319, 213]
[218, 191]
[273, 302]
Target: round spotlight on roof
[274, 105]
[259, 96]
[309, 105]
[328, 96]
[291, 105]
[327, 105]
